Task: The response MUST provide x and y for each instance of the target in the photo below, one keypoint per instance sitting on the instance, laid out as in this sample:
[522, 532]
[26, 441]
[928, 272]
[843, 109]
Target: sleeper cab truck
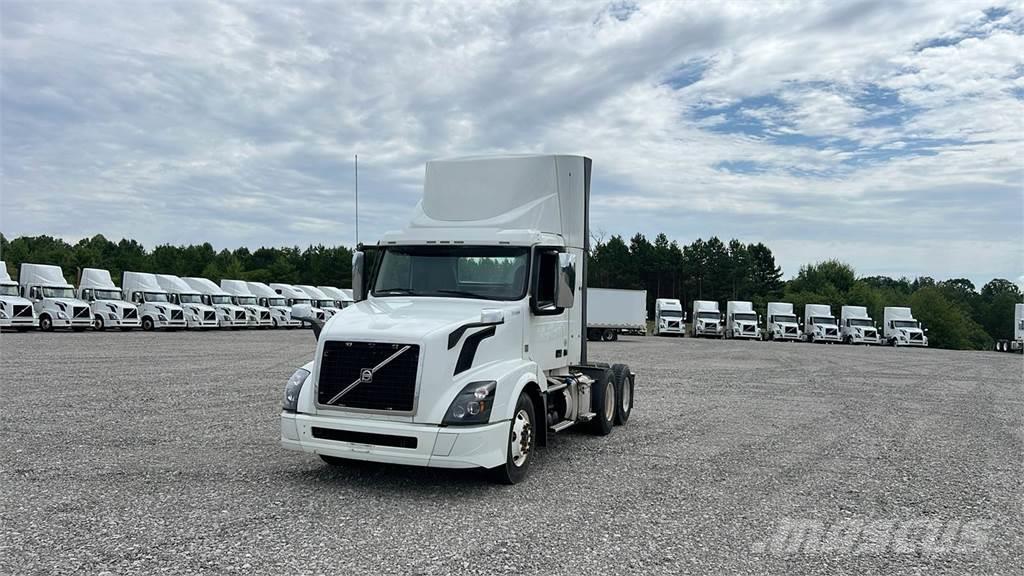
[1017, 344]
[819, 324]
[611, 312]
[15, 312]
[294, 296]
[257, 314]
[466, 346]
[707, 320]
[320, 300]
[228, 314]
[669, 318]
[783, 323]
[280, 310]
[53, 298]
[197, 314]
[856, 327]
[741, 321]
[341, 299]
[901, 328]
[106, 301]
[155, 307]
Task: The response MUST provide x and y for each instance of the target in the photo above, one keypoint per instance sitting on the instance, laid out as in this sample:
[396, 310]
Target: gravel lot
[158, 453]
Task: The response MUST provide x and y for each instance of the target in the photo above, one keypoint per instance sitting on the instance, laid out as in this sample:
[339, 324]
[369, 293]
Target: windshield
[905, 323]
[671, 314]
[51, 292]
[745, 316]
[220, 299]
[295, 301]
[790, 318]
[325, 303]
[823, 320]
[276, 302]
[190, 299]
[107, 294]
[245, 300]
[708, 315]
[156, 297]
[485, 272]
[9, 290]
[860, 322]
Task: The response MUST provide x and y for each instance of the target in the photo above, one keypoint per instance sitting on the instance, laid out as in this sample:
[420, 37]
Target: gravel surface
[149, 453]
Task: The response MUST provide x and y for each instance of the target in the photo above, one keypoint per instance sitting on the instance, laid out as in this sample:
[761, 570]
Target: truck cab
[280, 310]
[465, 347]
[669, 317]
[156, 309]
[229, 315]
[53, 298]
[294, 296]
[856, 327]
[197, 313]
[707, 319]
[320, 300]
[258, 315]
[819, 323]
[15, 312]
[342, 299]
[783, 323]
[901, 329]
[106, 301]
[742, 321]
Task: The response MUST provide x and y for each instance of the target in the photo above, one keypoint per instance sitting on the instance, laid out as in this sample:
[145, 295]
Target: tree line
[957, 313]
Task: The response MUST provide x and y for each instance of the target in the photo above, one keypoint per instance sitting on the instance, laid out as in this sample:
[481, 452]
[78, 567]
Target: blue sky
[885, 133]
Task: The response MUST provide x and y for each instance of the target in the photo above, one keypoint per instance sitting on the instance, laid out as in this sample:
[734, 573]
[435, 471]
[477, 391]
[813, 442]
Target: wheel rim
[522, 433]
[609, 402]
[627, 396]
[99, 323]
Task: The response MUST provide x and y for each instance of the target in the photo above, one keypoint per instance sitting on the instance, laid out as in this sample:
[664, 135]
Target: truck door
[548, 332]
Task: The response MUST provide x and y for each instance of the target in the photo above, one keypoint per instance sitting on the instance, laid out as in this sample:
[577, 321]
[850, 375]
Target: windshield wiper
[461, 293]
[393, 291]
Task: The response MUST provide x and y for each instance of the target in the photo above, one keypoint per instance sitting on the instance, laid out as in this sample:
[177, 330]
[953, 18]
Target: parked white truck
[782, 322]
[706, 319]
[1017, 344]
[258, 316]
[901, 329]
[197, 313]
[280, 310]
[856, 327]
[320, 300]
[155, 306]
[819, 324]
[342, 299]
[741, 320]
[612, 312]
[228, 314]
[15, 312]
[106, 301]
[669, 317]
[466, 345]
[53, 298]
[294, 296]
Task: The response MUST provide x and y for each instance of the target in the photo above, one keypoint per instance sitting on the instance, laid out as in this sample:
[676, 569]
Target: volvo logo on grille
[366, 376]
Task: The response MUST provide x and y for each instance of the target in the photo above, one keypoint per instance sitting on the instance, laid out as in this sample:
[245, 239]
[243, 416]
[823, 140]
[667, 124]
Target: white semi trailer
[466, 346]
[707, 319]
[228, 314]
[15, 312]
[901, 329]
[197, 313]
[106, 301]
[857, 327]
[783, 323]
[258, 315]
[341, 298]
[155, 306]
[612, 312]
[819, 324]
[1017, 344]
[669, 317]
[280, 310]
[320, 300]
[741, 321]
[294, 296]
[53, 298]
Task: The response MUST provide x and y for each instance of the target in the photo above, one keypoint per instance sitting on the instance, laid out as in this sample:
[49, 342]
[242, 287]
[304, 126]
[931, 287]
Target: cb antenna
[357, 201]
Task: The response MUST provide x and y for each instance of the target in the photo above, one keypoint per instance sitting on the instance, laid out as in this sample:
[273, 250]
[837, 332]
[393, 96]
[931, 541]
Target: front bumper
[158, 323]
[257, 323]
[202, 323]
[436, 446]
[863, 340]
[19, 322]
[707, 332]
[71, 323]
[786, 336]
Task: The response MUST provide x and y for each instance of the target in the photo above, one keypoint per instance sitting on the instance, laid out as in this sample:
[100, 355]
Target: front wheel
[45, 324]
[520, 445]
[97, 324]
[147, 324]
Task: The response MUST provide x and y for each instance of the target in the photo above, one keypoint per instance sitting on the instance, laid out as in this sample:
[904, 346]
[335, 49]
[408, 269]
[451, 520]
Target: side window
[545, 276]
[137, 297]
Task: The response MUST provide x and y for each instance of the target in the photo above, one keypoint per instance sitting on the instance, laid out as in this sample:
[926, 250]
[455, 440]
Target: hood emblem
[366, 376]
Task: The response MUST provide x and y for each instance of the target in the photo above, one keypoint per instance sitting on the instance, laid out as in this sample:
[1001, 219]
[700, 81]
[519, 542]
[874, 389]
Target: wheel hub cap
[522, 432]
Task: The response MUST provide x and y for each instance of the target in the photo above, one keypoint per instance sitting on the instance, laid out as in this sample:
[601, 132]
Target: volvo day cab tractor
[320, 300]
[15, 312]
[228, 314]
[856, 327]
[341, 299]
[669, 318]
[819, 324]
[197, 313]
[742, 321]
[782, 322]
[466, 345]
[294, 296]
[901, 329]
[106, 301]
[53, 298]
[258, 316]
[155, 306]
[280, 310]
[707, 320]
[1017, 344]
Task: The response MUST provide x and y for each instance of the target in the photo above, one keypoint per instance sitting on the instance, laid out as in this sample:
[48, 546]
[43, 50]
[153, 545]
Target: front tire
[520, 445]
[45, 324]
[147, 324]
[97, 323]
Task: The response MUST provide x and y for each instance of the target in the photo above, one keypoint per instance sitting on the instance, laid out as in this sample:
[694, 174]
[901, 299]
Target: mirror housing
[358, 275]
[565, 283]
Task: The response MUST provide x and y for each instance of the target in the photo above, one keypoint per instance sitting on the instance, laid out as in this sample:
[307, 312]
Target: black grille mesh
[393, 386]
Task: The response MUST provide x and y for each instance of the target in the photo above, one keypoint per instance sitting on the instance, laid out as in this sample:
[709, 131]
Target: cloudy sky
[886, 134]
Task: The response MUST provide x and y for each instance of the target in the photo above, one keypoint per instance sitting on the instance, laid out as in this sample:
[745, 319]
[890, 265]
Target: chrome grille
[392, 386]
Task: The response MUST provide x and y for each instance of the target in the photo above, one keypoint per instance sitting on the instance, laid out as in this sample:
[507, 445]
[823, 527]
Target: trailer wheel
[521, 442]
[603, 398]
[623, 393]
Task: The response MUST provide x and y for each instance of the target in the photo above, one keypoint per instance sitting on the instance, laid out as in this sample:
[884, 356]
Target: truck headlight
[62, 316]
[292, 389]
[161, 317]
[472, 405]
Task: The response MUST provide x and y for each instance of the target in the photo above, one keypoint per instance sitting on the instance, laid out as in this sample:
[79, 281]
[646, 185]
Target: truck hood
[397, 319]
[786, 324]
[69, 301]
[119, 304]
[16, 300]
[191, 307]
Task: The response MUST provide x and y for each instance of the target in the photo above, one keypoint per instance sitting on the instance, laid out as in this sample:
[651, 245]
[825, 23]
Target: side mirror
[565, 283]
[358, 276]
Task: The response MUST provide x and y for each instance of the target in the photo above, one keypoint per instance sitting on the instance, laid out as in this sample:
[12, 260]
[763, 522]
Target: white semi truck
[669, 317]
[466, 347]
[294, 296]
[258, 315]
[706, 319]
[106, 301]
[228, 314]
[197, 313]
[741, 321]
[280, 310]
[857, 327]
[612, 312]
[15, 312]
[782, 322]
[341, 298]
[901, 329]
[320, 300]
[819, 324]
[1017, 344]
[53, 298]
[155, 306]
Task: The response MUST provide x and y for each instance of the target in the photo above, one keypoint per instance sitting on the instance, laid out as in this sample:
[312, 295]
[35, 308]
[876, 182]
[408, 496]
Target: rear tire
[603, 403]
[521, 443]
[623, 393]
